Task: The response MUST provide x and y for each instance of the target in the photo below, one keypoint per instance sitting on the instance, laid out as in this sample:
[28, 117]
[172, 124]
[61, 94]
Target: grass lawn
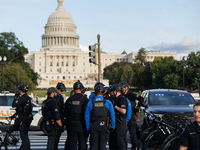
[43, 92]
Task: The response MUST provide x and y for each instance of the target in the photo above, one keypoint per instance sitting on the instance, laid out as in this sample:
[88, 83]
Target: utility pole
[99, 58]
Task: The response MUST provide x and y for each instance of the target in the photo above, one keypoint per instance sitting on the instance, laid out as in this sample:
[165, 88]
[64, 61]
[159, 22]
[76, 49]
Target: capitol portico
[60, 58]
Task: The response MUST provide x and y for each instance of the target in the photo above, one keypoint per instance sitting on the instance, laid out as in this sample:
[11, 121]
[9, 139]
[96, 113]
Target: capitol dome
[60, 15]
[60, 31]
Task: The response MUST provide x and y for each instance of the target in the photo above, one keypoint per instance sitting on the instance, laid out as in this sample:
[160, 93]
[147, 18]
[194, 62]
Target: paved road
[39, 141]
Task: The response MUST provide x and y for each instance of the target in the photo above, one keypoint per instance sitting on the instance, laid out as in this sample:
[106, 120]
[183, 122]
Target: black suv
[175, 103]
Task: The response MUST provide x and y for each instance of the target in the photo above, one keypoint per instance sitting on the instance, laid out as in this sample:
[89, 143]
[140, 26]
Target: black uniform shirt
[20, 102]
[191, 137]
[132, 97]
[51, 109]
[122, 103]
[68, 103]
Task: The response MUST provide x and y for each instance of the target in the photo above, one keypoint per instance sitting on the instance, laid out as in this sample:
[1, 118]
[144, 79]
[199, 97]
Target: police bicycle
[9, 134]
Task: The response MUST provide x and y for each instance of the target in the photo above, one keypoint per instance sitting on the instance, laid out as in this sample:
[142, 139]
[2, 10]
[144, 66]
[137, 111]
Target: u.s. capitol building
[61, 59]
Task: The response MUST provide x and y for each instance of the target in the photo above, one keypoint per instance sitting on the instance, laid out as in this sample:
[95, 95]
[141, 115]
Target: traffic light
[127, 74]
[93, 53]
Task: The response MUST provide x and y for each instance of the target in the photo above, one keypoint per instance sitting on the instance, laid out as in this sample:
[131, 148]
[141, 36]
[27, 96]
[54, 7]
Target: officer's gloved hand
[112, 130]
[16, 96]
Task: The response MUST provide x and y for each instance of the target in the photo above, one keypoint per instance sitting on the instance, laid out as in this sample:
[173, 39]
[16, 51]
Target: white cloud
[186, 45]
[84, 48]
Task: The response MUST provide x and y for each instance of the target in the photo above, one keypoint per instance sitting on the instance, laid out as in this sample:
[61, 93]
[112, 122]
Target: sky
[161, 25]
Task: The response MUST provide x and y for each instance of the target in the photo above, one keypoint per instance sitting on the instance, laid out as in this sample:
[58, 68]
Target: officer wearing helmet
[74, 113]
[121, 109]
[22, 102]
[52, 121]
[105, 92]
[132, 125]
[60, 104]
[93, 94]
[98, 113]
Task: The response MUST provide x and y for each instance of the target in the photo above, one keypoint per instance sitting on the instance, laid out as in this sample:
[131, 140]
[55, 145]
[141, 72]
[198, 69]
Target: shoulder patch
[192, 133]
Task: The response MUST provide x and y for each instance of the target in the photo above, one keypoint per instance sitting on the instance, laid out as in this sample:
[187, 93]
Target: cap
[50, 90]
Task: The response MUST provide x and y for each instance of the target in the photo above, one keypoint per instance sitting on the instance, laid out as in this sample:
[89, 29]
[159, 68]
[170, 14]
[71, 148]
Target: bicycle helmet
[23, 87]
[78, 85]
[124, 84]
[99, 88]
[98, 83]
[61, 86]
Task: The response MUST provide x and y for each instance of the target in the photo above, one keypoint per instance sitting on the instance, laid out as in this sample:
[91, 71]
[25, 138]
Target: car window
[6, 100]
[10, 100]
[170, 98]
[3, 101]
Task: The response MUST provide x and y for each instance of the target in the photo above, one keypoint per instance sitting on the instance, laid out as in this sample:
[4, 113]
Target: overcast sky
[165, 25]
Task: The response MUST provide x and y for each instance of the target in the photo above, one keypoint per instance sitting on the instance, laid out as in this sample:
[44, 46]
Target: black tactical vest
[99, 111]
[46, 112]
[25, 111]
[76, 107]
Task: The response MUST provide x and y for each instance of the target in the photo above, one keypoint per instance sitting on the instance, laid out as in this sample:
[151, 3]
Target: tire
[143, 137]
[152, 139]
[11, 140]
[173, 144]
[166, 140]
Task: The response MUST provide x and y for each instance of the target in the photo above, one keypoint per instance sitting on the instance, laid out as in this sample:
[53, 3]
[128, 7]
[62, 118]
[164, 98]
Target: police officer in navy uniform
[98, 113]
[59, 99]
[24, 111]
[121, 107]
[60, 104]
[93, 94]
[132, 125]
[190, 139]
[52, 121]
[74, 113]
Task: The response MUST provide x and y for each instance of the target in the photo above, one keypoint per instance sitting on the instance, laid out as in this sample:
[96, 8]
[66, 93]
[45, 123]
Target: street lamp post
[184, 64]
[2, 63]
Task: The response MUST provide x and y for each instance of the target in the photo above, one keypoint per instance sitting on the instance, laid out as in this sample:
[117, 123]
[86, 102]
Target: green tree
[196, 83]
[14, 75]
[116, 72]
[14, 50]
[171, 81]
[160, 68]
[141, 57]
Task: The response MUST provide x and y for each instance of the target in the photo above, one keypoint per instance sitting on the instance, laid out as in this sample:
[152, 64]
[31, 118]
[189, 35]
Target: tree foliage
[16, 71]
[163, 72]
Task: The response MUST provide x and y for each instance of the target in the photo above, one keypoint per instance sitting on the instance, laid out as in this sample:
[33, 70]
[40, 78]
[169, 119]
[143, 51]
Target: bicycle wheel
[152, 139]
[143, 137]
[173, 144]
[166, 140]
[11, 140]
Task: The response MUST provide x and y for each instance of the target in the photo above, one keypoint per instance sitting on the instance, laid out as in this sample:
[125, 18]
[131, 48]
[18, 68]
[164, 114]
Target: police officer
[121, 106]
[52, 121]
[25, 117]
[60, 104]
[93, 94]
[191, 135]
[98, 112]
[105, 92]
[74, 113]
[132, 125]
